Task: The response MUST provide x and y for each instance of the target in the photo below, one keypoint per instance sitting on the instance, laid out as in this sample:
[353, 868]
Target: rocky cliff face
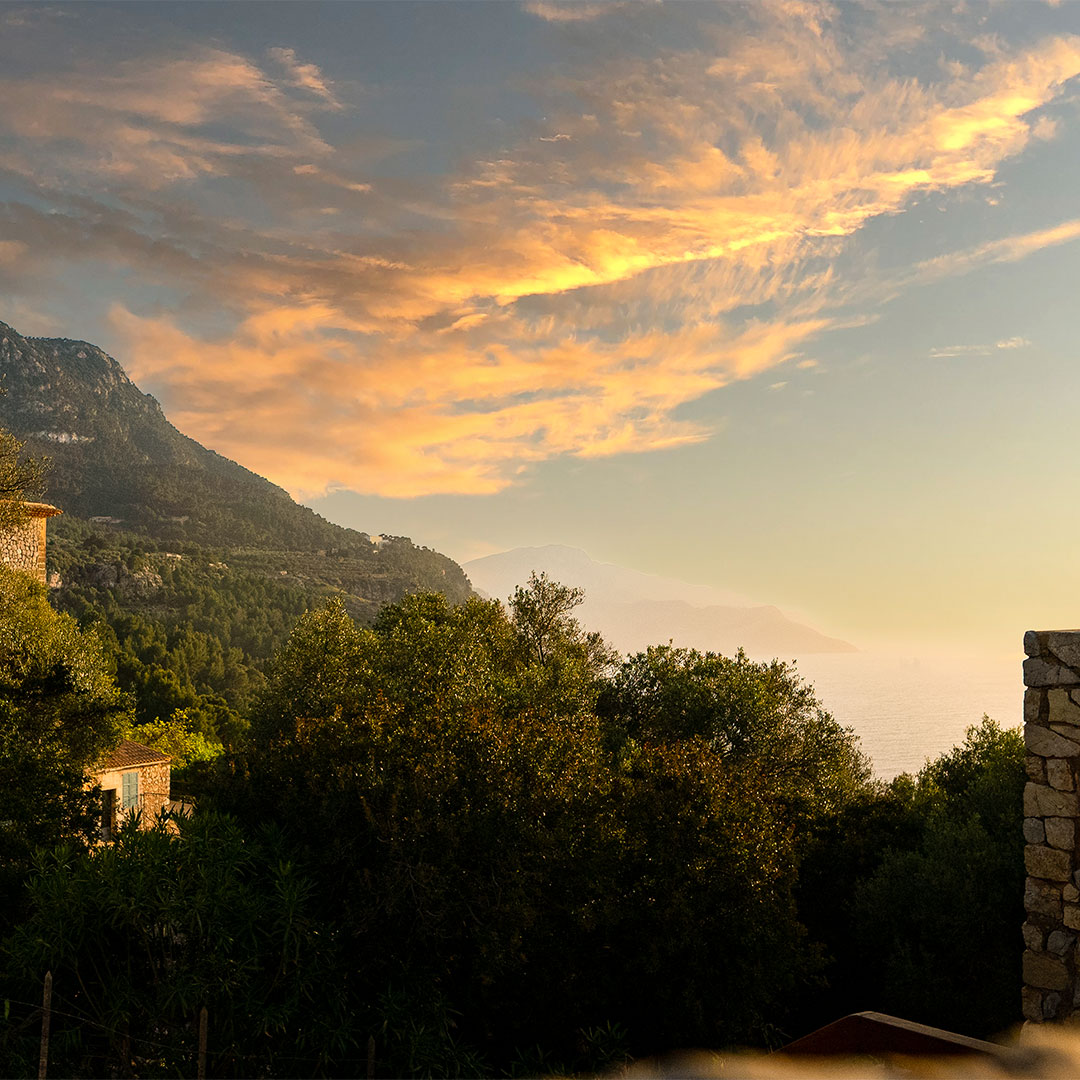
[117, 461]
[55, 387]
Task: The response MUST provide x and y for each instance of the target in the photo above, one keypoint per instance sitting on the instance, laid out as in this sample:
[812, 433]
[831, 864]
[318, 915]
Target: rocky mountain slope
[120, 464]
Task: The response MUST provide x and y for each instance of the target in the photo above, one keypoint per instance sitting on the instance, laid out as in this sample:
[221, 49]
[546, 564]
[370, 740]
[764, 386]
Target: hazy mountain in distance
[633, 610]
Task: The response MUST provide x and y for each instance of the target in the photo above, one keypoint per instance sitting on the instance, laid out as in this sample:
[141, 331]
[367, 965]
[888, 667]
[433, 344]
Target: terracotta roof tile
[129, 754]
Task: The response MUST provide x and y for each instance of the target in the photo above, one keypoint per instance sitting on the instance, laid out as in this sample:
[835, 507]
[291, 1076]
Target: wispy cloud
[679, 220]
[304, 76]
[573, 11]
[945, 352]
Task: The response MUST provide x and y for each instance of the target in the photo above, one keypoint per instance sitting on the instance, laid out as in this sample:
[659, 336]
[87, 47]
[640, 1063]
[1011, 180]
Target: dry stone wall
[1051, 963]
[23, 547]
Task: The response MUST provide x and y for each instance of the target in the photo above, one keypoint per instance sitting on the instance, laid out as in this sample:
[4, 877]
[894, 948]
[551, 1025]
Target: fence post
[46, 1020]
[371, 1057]
[202, 1043]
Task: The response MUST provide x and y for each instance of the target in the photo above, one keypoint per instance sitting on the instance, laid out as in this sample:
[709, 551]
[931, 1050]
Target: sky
[778, 298]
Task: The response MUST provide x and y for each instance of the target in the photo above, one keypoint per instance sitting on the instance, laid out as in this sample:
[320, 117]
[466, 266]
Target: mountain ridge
[633, 610]
[117, 461]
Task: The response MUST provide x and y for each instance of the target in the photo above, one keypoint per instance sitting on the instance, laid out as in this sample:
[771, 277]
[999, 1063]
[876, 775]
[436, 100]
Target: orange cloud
[677, 222]
[319, 410]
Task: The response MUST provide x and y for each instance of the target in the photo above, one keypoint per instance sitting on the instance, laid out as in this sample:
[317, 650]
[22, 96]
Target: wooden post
[371, 1057]
[202, 1043]
[46, 1019]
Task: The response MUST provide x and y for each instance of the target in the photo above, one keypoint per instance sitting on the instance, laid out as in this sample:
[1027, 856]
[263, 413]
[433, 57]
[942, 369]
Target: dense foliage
[21, 477]
[462, 837]
[473, 835]
[59, 711]
[917, 891]
[192, 630]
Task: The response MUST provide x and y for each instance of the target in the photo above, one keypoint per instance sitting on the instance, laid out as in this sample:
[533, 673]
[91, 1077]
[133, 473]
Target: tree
[915, 892]
[540, 613]
[561, 666]
[937, 923]
[504, 870]
[59, 713]
[21, 478]
[759, 717]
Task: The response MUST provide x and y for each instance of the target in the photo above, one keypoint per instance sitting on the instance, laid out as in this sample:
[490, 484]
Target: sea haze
[905, 706]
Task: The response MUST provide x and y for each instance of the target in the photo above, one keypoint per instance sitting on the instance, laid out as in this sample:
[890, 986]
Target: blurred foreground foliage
[474, 835]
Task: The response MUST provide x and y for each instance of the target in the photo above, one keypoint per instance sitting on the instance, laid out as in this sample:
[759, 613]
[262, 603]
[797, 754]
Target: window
[108, 813]
[130, 790]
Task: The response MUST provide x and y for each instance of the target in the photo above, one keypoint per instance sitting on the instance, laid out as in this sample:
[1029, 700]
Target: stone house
[133, 779]
[22, 547]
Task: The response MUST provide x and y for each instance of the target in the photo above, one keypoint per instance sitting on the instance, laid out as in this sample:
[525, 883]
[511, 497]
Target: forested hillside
[194, 568]
[115, 457]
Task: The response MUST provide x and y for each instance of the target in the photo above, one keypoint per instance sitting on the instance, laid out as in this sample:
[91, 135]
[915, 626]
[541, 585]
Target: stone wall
[154, 784]
[23, 547]
[1051, 812]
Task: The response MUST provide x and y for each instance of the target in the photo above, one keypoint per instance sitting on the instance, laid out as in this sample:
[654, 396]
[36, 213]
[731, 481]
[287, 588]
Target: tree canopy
[59, 713]
[471, 833]
[22, 477]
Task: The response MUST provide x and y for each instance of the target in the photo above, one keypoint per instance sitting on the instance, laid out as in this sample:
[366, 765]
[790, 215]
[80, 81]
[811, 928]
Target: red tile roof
[129, 754]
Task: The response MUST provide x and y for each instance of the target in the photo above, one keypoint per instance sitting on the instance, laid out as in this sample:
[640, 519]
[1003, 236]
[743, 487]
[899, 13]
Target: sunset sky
[779, 298]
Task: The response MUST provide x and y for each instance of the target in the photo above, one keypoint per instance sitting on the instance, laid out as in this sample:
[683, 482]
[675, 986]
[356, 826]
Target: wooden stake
[202, 1043]
[371, 1057]
[46, 1019]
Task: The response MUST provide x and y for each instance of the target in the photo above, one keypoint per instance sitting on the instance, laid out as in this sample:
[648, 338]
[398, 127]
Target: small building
[22, 547]
[133, 779]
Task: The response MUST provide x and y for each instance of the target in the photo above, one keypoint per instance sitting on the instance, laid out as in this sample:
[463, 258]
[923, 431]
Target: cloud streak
[679, 220]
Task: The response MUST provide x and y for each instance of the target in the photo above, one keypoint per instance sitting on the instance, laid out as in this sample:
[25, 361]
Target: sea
[907, 708]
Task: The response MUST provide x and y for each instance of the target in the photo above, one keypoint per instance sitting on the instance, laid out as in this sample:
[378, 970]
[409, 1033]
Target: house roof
[878, 1034]
[129, 754]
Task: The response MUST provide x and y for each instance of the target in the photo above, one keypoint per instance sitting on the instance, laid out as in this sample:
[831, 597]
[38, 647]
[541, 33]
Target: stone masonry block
[1034, 702]
[1065, 646]
[1070, 894]
[1052, 1006]
[1035, 767]
[1059, 943]
[1045, 972]
[1041, 801]
[1035, 831]
[1061, 833]
[1048, 863]
[1034, 937]
[1061, 708]
[1043, 898]
[1031, 1004]
[1071, 916]
[1039, 673]
[1059, 774]
[1046, 743]
[1033, 645]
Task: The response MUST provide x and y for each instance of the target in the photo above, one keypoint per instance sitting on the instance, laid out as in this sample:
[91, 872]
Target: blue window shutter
[130, 790]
